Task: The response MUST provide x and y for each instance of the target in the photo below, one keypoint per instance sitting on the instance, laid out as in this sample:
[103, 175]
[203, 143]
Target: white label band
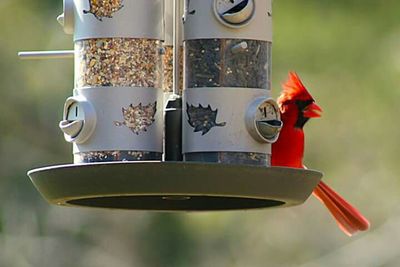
[214, 120]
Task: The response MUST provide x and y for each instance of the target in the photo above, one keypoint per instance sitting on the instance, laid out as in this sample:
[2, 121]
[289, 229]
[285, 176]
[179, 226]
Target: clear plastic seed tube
[118, 62]
[214, 63]
[116, 111]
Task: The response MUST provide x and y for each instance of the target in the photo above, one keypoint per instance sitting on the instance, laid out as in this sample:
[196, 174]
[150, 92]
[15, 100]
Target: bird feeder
[171, 108]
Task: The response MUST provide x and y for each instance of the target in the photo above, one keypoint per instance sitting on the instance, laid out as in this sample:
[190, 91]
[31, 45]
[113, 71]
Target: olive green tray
[173, 186]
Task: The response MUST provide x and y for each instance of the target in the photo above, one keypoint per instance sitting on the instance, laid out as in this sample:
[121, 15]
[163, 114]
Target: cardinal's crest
[103, 8]
[202, 119]
[138, 118]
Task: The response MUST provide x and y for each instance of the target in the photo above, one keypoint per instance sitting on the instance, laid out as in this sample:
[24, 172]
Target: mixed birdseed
[118, 62]
[227, 63]
[107, 156]
[246, 158]
[168, 68]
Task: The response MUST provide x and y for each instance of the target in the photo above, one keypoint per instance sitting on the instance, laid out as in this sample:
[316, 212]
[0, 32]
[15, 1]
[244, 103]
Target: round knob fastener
[79, 120]
[234, 13]
[263, 120]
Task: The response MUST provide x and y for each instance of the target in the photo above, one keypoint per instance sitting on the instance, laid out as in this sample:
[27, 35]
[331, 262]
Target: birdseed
[168, 68]
[256, 159]
[227, 63]
[108, 156]
[118, 62]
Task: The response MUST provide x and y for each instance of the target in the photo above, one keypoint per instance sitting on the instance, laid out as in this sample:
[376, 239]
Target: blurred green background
[348, 54]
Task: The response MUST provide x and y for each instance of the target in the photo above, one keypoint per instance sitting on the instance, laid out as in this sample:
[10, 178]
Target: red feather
[288, 151]
[293, 89]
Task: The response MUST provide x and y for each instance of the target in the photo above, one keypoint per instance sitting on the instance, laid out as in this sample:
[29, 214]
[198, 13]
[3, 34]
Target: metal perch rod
[46, 54]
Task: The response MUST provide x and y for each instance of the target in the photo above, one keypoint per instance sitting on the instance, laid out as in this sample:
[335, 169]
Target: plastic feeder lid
[173, 186]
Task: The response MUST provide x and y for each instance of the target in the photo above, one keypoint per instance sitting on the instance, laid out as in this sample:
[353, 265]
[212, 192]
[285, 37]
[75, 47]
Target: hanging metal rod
[176, 44]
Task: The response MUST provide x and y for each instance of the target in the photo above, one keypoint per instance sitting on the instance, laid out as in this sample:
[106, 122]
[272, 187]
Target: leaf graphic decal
[202, 119]
[138, 118]
[103, 8]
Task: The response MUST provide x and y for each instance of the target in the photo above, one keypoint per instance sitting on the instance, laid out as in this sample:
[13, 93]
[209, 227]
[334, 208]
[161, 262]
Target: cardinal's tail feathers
[357, 219]
[343, 221]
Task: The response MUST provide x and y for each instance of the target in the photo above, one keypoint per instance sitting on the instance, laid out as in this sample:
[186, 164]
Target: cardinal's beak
[312, 111]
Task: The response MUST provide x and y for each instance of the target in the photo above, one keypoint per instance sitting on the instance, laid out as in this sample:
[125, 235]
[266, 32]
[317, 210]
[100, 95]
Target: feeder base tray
[173, 186]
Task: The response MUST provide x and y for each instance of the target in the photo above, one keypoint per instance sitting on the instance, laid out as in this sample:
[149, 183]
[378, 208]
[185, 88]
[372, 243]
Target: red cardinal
[297, 106]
